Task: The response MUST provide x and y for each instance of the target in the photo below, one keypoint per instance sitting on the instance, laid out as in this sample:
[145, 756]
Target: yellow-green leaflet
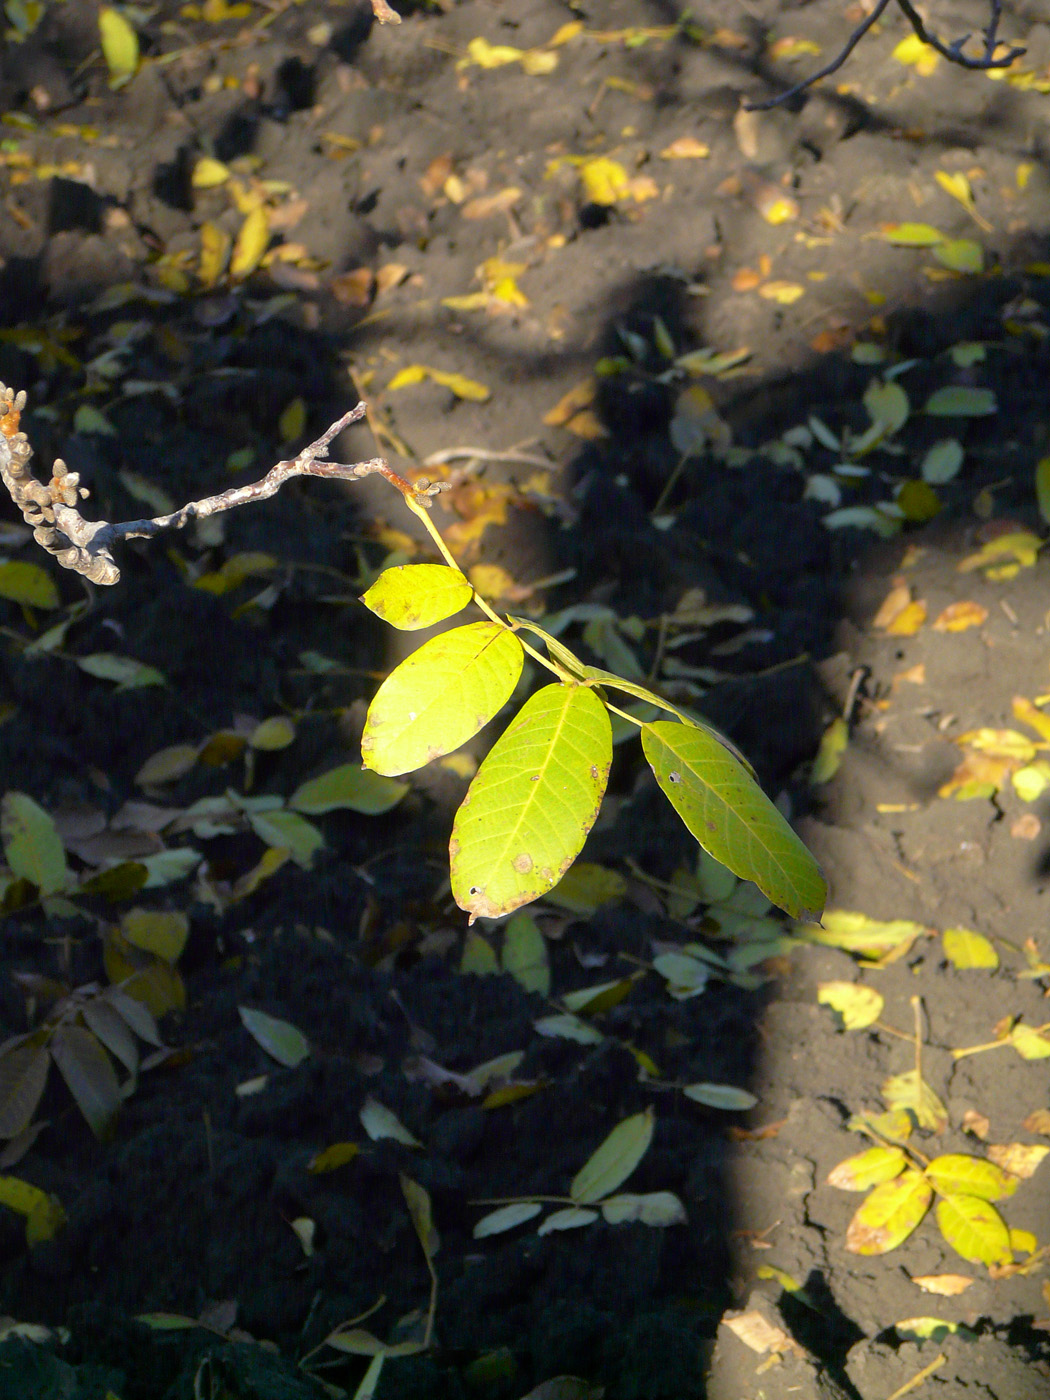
[975, 1229]
[412, 596]
[120, 46]
[614, 1161]
[527, 813]
[731, 817]
[440, 697]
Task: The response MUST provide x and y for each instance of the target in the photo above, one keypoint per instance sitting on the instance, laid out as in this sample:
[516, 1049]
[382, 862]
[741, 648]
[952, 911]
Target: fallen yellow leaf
[782, 292]
[458, 384]
[686, 148]
[895, 601]
[957, 617]
[908, 621]
[915, 54]
[579, 397]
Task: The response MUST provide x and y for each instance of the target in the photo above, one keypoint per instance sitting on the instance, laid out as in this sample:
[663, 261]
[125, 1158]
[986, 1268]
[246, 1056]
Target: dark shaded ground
[106, 307]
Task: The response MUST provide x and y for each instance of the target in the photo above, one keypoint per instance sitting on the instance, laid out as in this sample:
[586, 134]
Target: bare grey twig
[85, 546]
[952, 52]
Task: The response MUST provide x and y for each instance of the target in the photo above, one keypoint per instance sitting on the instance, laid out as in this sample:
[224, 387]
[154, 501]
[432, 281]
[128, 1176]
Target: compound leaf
[614, 1161]
[32, 844]
[890, 1214]
[975, 1229]
[527, 813]
[89, 1075]
[412, 596]
[440, 697]
[731, 817]
[957, 1174]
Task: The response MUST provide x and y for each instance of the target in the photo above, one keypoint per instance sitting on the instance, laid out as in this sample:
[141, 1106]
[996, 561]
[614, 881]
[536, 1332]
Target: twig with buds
[85, 546]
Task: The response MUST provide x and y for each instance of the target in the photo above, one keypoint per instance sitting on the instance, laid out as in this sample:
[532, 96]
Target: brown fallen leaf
[1018, 1158]
[1026, 828]
[914, 675]
[957, 617]
[944, 1285]
[975, 1123]
[353, 288]
[760, 1335]
[390, 275]
[435, 175]
[1038, 1121]
[486, 205]
[894, 603]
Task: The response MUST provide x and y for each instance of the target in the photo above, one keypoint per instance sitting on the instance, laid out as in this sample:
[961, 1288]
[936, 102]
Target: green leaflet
[440, 697]
[411, 596]
[32, 845]
[527, 813]
[731, 817]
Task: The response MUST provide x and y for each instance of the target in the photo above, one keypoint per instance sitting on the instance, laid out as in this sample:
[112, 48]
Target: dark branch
[952, 52]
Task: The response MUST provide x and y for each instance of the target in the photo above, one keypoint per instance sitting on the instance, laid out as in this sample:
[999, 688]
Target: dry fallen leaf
[486, 205]
[1018, 1158]
[1038, 1121]
[957, 617]
[894, 603]
[1026, 828]
[975, 1123]
[758, 1334]
[944, 1285]
[686, 148]
[353, 288]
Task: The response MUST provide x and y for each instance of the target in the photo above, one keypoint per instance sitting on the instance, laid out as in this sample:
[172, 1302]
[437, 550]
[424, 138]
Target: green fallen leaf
[349, 786]
[612, 1163]
[32, 846]
[128, 673]
[724, 1096]
[27, 584]
[281, 1040]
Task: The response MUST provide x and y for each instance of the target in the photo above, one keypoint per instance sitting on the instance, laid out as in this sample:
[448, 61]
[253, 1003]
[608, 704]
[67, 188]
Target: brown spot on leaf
[522, 863]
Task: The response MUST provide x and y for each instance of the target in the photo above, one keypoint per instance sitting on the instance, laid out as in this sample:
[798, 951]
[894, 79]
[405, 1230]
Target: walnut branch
[952, 52]
[85, 546]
